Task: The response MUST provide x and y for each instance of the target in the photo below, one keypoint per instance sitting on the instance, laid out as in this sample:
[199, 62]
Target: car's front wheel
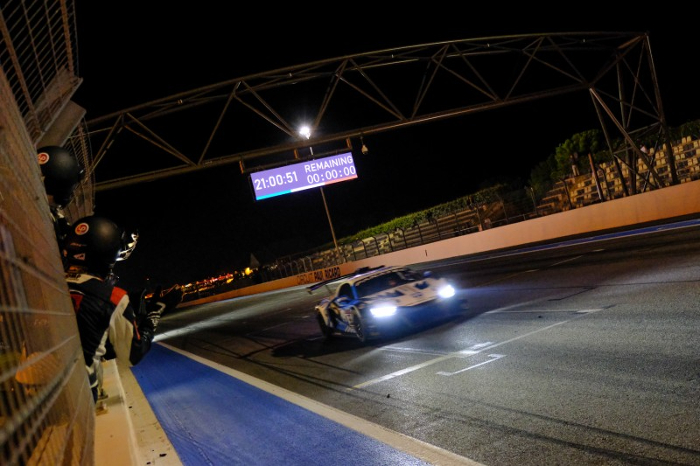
[325, 329]
[360, 325]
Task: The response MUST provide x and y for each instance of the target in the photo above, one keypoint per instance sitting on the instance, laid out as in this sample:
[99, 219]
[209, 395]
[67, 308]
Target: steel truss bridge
[254, 121]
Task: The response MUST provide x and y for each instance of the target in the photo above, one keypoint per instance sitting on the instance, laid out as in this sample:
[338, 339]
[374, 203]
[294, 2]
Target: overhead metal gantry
[253, 121]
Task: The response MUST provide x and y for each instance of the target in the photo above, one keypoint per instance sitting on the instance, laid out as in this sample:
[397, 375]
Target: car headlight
[383, 310]
[446, 291]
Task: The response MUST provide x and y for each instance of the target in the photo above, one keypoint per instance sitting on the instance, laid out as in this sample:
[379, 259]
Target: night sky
[200, 225]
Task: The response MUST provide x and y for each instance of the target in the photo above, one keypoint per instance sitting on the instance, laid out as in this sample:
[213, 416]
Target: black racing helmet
[61, 171]
[96, 244]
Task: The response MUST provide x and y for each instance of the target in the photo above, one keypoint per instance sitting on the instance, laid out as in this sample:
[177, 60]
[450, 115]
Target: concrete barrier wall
[661, 204]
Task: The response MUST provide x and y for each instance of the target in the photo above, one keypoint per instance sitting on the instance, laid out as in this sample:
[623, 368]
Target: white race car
[372, 301]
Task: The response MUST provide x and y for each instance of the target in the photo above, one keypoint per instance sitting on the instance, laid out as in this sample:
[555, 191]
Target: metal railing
[510, 208]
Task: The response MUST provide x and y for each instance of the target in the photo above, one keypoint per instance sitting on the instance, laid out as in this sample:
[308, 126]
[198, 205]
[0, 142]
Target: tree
[691, 128]
[542, 176]
[582, 144]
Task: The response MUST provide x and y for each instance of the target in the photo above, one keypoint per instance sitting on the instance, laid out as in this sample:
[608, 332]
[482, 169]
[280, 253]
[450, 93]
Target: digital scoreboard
[303, 175]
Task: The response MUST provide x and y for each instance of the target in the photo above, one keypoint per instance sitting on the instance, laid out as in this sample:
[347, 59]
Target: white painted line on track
[456, 355]
[543, 311]
[512, 306]
[565, 261]
[494, 357]
[400, 349]
[403, 371]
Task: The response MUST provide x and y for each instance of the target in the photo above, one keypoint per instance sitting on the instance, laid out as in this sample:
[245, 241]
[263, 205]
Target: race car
[373, 301]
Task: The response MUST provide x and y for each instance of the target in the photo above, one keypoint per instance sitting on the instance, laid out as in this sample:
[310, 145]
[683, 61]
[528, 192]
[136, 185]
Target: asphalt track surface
[214, 415]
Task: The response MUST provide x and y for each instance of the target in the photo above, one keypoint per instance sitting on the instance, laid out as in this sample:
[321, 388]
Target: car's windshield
[380, 283]
[410, 275]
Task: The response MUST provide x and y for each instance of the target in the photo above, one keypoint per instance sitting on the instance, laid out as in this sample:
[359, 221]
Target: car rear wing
[359, 271]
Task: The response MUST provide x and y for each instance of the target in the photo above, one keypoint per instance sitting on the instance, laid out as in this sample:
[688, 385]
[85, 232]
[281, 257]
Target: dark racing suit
[106, 317]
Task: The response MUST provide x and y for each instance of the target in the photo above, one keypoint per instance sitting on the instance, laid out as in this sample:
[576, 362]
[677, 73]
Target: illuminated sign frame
[303, 175]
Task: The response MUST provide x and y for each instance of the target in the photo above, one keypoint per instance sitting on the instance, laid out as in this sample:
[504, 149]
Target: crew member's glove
[159, 303]
[171, 297]
[154, 309]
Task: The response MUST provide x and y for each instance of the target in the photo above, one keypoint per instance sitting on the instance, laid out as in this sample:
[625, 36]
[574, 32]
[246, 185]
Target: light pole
[532, 196]
[305, 131]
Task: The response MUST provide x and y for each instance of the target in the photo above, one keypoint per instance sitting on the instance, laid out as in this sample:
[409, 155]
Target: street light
[532, 196]
[305, 132]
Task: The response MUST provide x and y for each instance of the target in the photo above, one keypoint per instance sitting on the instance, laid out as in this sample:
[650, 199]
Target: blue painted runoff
[213, 418]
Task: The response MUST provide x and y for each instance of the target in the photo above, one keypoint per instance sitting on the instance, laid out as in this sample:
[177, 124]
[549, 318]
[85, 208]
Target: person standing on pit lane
[107, 320]
[61, 173]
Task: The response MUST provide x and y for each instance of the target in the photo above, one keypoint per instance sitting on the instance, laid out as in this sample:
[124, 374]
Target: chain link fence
[47, 415]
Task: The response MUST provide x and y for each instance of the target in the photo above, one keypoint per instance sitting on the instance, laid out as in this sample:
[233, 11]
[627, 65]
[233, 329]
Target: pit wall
[659, 205]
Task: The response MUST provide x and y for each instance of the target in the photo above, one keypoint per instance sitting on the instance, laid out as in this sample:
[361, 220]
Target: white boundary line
[461, 353]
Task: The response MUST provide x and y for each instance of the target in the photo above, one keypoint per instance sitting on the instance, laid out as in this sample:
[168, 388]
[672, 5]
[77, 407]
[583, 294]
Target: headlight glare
[446, 291]
[383, 310]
